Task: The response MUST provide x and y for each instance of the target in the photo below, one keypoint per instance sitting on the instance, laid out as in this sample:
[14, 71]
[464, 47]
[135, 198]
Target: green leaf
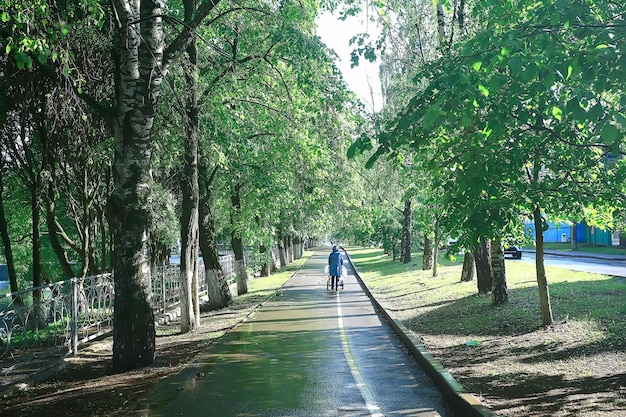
[354, 147]
[557, 113]
[515, 64]
[20, 60]
[466, 121]
[431, 116]
[8, 49]
[370, 162]
[5, 17]
[42, 58]
[609, 134]
[595, 112]
[477, 65]
[483, 90]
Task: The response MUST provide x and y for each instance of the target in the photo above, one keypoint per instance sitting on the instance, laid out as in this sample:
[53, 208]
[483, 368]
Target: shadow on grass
[542, 395]
[599, 302]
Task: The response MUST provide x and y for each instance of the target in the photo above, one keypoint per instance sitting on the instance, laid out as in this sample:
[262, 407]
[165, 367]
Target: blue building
[561, 233]
[556, 233]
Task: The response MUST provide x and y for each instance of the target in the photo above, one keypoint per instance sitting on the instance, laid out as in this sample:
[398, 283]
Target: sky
[336, 34]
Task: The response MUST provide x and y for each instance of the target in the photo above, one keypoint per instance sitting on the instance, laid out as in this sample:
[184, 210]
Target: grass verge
[575, 367]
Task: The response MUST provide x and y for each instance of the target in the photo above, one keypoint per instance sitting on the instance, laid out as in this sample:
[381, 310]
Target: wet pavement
[308, 351]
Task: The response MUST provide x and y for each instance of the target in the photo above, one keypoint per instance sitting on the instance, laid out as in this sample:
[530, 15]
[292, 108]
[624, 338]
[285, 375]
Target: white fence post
[74, 318]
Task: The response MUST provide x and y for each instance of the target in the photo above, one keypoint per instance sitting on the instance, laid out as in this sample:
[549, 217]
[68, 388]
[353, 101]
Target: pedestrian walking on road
[335, 263]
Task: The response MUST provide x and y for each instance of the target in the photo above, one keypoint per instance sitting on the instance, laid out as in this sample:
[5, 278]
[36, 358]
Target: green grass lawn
[520, 367]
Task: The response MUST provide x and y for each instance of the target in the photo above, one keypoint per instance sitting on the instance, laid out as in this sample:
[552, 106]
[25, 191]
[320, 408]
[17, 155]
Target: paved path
[306, 352]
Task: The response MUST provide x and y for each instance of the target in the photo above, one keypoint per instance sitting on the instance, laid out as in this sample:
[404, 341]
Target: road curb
[465, 402]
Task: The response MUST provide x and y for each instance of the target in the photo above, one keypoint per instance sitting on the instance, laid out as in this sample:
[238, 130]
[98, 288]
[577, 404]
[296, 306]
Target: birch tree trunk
[141, 62]
[139, 48]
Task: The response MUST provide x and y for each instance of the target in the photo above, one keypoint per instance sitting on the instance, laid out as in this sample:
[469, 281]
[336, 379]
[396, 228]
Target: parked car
[513, 251]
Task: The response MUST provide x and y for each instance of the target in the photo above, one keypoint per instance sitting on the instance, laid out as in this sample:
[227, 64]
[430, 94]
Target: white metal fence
[39, 326]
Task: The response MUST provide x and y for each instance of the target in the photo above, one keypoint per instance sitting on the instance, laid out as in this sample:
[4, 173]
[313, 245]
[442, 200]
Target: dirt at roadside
[86, 386]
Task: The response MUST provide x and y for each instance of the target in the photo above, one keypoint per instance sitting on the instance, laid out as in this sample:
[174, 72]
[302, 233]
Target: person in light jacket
[335, 262]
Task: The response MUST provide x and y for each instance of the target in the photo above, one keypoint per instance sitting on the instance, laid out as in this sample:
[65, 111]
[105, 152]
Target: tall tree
[189, 301]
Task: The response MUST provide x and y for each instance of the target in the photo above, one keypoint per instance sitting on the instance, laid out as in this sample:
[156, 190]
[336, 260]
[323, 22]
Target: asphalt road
[307, 352]
[613, 267]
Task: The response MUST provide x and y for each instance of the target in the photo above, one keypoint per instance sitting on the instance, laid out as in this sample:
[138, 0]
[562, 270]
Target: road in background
[600, 265]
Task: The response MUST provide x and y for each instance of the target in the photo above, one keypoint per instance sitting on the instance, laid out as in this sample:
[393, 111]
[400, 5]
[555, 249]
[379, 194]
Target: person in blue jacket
[335, 262]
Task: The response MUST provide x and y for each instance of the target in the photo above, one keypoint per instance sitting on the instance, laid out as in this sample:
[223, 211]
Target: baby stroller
[344, 271]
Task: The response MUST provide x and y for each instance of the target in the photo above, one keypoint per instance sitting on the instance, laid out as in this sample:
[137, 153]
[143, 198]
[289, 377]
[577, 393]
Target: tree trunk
[266, 256]
[241, 274]
[189, 298]
[499, 293]
[427, 262]
[6, 243]
[36, 243]
[139, 57]
[282, 253]
[574, 236]
[288, 249]
[102, 229]
[484, 272]
[542, 280]
[441, 24]
[469, 268]
[217, 285]
[435, 255]
[405, 245]
[53, 236]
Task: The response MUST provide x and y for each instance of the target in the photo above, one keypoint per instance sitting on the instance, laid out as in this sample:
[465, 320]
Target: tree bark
[266, 256]
[282, 252]
[405, 245]
[484, 271]
[189, 298]
[217, 285]
[469, 268]
[36, 241]
[241, 274]
[427, 262]
[436, 241]
[542, 280]
[139, 54]
[53, 237]
[574, 236]
[499, 293]
[6, 242]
